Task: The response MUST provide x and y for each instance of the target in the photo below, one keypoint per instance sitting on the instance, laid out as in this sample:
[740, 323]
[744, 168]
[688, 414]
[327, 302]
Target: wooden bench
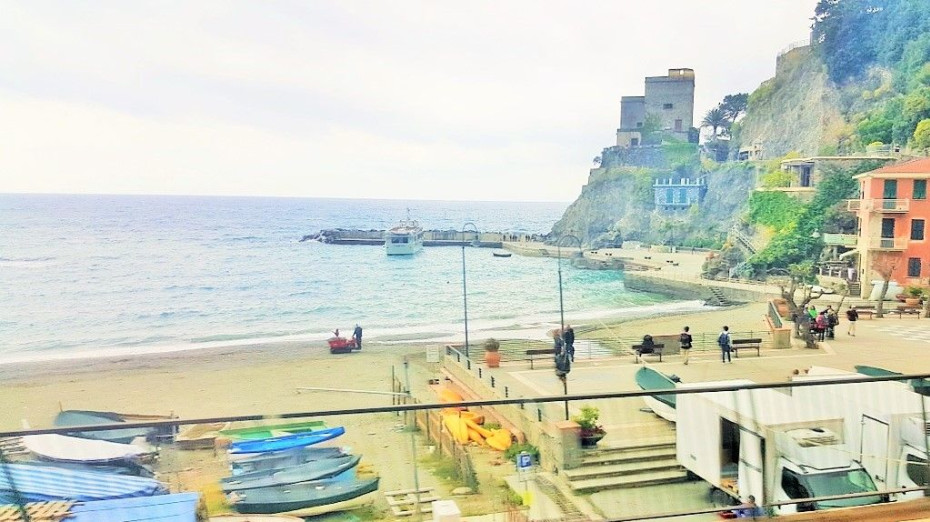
[746, 343]
[657, 350]
[865, 310]
[539, 351]
[907, 310]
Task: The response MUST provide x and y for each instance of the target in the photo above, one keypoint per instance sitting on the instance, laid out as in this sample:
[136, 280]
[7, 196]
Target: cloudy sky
[477, 100]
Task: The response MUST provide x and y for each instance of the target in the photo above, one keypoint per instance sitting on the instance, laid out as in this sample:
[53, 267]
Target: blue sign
[524, 461]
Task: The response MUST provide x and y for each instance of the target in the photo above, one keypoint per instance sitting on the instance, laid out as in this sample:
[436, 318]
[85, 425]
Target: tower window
[667, 105]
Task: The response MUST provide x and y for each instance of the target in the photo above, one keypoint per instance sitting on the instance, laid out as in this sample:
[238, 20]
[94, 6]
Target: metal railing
[888, 243]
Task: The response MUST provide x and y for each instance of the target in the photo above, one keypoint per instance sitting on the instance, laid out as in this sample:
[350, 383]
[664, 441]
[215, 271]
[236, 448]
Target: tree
[652, 124]
[922, 135]
[884, 264]
[733, 105]
[795, 278]
[597, 161]
[715, 119]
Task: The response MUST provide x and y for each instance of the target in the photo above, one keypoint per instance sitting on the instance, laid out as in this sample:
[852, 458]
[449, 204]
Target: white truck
[886, 427]
[764, 443]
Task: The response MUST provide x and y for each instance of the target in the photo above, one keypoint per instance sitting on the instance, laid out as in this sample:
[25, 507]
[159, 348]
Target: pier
[431, 238]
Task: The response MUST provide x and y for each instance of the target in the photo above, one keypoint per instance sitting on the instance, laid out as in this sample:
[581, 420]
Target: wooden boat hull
[287, 499]
[650, 380]
[283, 459]
[286, 442]
[317, 470]
[273, 430]
[199, 436]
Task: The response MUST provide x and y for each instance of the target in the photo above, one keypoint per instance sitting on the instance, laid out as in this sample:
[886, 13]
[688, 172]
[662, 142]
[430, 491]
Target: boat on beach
[46, 483]
[199, 436]
[501, 254]
[921, 386]
[286, 442]
[283, 459]
[178, 507]
[272, 430]
[294, 497]
[651, 380]
[68, 418]
[63, 448]
[404, 238]
[316, 470]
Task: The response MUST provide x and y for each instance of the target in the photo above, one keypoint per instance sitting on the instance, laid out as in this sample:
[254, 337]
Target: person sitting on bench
[648, 346]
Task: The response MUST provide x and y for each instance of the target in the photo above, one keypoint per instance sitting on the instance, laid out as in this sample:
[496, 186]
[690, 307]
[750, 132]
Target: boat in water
[651, 380]
[501, 254]
[283, 459]
[272, 430]
[316, 470]
[404, 239]
[287, 442]
[295, 497]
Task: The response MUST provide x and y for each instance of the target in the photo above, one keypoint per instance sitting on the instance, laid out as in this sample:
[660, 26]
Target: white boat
[74, 449]
[404, 239]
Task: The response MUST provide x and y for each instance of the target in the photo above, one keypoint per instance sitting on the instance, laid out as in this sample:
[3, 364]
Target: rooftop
[918, 166]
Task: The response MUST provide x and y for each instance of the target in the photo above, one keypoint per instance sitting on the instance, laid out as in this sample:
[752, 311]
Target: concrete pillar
[568, 436]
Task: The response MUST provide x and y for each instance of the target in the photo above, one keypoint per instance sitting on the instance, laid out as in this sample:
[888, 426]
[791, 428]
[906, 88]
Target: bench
[865, 310]
[539, 351]
[656, 350]
[746, 343]
[907, 310]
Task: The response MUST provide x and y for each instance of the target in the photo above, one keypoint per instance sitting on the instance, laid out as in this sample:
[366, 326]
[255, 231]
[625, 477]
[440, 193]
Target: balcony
[845, 240]
[888, 243]
[885, 206]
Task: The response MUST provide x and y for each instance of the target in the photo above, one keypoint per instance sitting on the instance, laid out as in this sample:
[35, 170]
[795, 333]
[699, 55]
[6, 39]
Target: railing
[794, 45]
[854, 205]
[847, 240]
[888, 243]
[878, 205]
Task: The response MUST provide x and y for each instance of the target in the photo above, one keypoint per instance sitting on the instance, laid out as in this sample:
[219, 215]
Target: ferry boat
[404, 239]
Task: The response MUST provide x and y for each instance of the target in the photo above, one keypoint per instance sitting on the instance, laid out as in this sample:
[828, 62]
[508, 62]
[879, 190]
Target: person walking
[557, 342]
[357, 335]
[852, 316]
[568, 337]
[685, 340]
[726, 345]
[820, 326]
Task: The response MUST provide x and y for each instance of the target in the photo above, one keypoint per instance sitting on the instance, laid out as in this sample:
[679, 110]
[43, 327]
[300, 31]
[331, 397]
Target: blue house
[673, 194]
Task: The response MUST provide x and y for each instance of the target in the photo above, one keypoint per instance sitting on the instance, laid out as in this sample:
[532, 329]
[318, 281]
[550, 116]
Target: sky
[501, 100]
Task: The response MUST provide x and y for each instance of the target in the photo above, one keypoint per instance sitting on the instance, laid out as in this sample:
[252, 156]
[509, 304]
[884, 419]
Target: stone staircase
[640, 463]
[717, 298]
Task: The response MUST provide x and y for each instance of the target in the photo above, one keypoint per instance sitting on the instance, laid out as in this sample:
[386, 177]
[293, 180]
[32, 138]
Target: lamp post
[464, 287]
[558, 247]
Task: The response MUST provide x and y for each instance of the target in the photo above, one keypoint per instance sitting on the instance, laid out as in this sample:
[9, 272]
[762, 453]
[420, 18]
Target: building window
[917, 229]
[913, 267]
[683, 196]
[669, 196]
[667, 106]
[639, 124]
[634, 142]
[920, 189]
[890, 189]
[677, 125]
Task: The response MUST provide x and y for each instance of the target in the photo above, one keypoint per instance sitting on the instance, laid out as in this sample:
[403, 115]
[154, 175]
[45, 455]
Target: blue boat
[294, 497]
[317, 470]
[179, 507]
[47, 483]
[298, 440]
[284, 459]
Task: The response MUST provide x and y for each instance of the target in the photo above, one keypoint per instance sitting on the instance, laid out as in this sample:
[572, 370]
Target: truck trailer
[764, 443]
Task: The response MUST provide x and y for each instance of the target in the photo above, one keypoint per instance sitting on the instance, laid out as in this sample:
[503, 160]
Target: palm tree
[716, 118]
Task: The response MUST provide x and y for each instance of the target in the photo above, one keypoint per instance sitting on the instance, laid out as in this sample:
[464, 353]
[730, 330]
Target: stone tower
[669, 97]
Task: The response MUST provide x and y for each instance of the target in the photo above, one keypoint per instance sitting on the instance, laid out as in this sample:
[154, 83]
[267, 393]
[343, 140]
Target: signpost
[524, 468]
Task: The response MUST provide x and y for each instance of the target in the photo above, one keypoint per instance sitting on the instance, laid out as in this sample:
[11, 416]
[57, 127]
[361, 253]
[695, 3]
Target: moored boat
[650, 380]
[42, 483]
[316, 470]
[284, 499]
[501, 254]
[283, 459]
[404, 239]
[67, 418]
[272, 430]
[286, 442]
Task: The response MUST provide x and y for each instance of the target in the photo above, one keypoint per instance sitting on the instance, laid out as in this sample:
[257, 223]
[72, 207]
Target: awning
[849, 253]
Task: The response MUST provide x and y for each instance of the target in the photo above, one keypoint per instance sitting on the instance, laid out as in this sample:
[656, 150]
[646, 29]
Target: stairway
[744, 241]
[642, 463]
[717, 298]
[854, 288]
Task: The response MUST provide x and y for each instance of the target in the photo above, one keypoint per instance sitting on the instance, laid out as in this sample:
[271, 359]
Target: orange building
[893, 210]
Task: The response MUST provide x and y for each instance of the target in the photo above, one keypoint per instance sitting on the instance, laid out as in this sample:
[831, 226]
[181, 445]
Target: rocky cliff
[618, 204]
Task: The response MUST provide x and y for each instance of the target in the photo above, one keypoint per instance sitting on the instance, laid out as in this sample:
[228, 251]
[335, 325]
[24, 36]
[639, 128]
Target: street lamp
[464, 288]
[558, 247]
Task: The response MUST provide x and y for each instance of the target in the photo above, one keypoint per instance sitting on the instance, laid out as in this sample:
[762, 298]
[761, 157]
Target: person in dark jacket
[357, 335]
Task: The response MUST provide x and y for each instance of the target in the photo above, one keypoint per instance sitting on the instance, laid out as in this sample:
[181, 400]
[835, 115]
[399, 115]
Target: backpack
[685, 340]
[563, 364]
[724, 339]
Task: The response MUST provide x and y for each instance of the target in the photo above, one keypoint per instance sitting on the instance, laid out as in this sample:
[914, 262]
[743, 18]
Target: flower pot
[912, 301]
[590, 441]
[492, 359]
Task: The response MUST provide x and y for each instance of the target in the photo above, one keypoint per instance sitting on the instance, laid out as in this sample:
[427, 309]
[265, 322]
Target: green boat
[273, 430]
[921, 386]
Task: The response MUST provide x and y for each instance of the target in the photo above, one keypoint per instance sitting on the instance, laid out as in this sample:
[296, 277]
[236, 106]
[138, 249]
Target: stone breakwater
[342, 236]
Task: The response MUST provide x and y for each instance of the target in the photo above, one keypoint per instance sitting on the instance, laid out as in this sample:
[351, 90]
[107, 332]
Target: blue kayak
[286, 442]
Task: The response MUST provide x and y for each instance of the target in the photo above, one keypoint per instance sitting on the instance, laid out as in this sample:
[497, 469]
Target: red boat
[341, 345]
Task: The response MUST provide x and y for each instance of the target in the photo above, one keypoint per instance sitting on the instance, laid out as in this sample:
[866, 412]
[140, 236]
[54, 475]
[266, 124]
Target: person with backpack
[685, 340]
[852, 316]
[723, 340]
[820, 325]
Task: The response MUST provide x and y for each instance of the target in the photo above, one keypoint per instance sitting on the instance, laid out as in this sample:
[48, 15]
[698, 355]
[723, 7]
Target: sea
[102, 275]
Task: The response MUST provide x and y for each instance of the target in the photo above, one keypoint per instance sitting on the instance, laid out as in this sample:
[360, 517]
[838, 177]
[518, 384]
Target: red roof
[918, 166]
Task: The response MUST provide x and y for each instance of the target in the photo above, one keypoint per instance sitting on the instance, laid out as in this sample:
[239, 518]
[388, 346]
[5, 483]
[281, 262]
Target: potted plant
[491, 355]
[591, 431]
[914, 293]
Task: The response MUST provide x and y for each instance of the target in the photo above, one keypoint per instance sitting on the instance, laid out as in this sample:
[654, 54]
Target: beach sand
[264, 379]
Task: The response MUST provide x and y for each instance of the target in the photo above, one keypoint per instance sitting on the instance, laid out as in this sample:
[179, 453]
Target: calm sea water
[93, 275]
